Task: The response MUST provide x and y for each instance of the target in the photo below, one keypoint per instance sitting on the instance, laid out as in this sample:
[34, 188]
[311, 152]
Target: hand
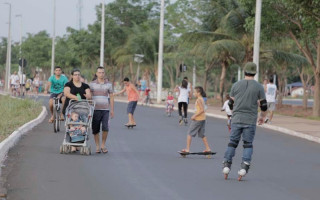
[260, 120]
[111, 114]
[193, 118]
[45, 92]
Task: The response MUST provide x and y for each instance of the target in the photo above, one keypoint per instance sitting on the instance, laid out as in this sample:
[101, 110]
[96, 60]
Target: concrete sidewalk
[299, 127]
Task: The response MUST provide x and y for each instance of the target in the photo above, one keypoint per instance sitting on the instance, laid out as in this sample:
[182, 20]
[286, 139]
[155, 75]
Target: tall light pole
[8, 61]
[256, 48]
[53, 37]
[102, 35]
[194, 74]
[20, 50]
[160, 55]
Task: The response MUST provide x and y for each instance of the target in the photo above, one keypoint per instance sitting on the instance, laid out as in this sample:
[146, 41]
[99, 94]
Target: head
[100, 73]
[185, 78]
[199, 92]
[57, 70]
[126, 81]
[169, 93]
[227, 96]
[184, 84]
[76, 74]
[74, 116]
[271, 80]
[250, 69]
[15, 72]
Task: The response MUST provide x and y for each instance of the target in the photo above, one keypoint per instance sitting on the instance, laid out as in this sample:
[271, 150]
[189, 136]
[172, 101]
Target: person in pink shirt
[133, 97]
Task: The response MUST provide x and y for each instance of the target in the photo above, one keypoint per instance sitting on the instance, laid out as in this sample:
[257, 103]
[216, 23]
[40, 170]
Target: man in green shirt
[56, 84]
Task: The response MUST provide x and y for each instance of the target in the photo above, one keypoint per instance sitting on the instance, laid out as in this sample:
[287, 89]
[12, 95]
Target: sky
[37, 15]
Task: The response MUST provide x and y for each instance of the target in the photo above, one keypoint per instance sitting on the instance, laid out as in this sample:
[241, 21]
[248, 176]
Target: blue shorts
[131, 107]
[100, 117]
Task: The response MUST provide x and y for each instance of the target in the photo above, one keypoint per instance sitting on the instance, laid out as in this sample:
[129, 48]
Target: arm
[111, 105]
[48, 85]
[67, 93]
[121, 92]
[88, 93]
[134, 88]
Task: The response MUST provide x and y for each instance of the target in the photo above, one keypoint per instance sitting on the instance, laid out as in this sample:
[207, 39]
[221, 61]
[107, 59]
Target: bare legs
[205, 142]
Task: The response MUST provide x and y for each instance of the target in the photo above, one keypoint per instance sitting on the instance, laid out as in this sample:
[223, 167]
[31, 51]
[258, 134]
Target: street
[143, 163]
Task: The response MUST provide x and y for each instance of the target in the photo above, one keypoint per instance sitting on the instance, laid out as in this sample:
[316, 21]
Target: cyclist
[56, 84]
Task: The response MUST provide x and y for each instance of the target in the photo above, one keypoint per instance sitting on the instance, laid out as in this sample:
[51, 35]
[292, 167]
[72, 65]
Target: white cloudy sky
[38, 15]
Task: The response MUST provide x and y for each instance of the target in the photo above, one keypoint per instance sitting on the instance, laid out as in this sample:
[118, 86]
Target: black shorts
[53, 95]
[100, 117]
[22, 85]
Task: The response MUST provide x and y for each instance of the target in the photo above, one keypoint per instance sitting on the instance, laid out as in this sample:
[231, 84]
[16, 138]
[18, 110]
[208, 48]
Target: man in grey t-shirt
[246, 95]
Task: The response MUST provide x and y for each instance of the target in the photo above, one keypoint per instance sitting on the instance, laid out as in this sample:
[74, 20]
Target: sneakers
[266, 121]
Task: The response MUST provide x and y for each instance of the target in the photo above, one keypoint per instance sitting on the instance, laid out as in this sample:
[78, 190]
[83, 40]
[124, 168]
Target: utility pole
[256, 49]
[239, 73]
[20, 50]
[8, 60]
[53, 37]
[102, 35]
[160, 55]
[80, 6]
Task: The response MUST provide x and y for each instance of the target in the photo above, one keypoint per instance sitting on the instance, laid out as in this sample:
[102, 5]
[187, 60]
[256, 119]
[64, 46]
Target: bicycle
[56, 114]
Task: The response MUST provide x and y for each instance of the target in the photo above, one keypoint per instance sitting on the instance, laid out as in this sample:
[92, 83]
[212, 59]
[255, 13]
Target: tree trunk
[205, 81]
[222, 78]
[131, 72]
[281, 91]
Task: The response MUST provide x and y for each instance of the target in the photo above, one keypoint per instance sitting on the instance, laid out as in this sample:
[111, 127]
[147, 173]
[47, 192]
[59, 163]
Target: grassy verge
[15, 113]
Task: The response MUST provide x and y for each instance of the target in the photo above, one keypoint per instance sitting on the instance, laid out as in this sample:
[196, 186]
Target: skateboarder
[245, 97]
[133, 97]
[197, 126]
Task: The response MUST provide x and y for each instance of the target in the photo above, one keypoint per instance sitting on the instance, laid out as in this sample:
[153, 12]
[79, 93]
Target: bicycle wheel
[58, 121]
[55, 120]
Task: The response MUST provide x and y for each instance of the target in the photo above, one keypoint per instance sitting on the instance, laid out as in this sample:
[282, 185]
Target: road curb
[266, 126]
[12, 140]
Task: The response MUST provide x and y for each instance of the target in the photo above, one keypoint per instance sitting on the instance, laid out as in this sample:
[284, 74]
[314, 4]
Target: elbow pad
[264, 105]
[230, 104]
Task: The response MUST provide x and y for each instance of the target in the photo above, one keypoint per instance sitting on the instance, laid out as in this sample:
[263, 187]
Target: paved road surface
[297, 102]
[143, 163]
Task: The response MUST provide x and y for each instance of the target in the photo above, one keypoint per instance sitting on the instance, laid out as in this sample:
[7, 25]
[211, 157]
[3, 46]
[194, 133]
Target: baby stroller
[77, 131]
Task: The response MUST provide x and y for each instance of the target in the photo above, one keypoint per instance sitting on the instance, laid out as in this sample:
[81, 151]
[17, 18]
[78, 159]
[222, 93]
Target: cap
[250, 68]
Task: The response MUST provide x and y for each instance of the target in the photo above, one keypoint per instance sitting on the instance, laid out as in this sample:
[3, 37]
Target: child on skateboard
[198, 121]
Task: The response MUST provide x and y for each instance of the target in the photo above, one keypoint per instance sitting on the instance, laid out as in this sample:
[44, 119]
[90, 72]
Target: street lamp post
[8, 61]
[53, 36]
[256, 49]
[138, 58]
[194, 74]
[20, 50]
[102, 35]
[160, 56]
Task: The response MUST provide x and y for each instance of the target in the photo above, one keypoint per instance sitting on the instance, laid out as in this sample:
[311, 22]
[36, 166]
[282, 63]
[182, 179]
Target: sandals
[51, 120]
[98, 151]
[104, 150]
[205, 151]
[184, 151]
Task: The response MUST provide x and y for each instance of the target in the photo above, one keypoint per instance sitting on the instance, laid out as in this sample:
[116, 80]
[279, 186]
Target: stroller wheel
[81, 150]
[61, 149]
[89, 150]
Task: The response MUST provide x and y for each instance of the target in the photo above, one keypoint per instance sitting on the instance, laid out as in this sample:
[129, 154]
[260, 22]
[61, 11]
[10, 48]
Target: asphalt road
[143, 163]
[297, 102]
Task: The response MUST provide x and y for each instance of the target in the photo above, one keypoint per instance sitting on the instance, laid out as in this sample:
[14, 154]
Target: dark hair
[271, 80]
[185, 78]
[126, 79]
[249, 74]
[100, 68]
[57, 67]
[73, 71]
[227, 96]
[201, 91]
[184, 84]
[94, 77]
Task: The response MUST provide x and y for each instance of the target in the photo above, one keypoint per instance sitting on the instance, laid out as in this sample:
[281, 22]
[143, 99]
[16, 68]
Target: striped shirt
[100, 94]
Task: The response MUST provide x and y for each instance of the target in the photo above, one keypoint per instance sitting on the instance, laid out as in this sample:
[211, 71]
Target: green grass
[15, 113]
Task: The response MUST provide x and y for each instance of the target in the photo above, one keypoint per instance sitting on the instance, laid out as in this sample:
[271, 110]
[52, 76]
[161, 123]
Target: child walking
[228, 111]
[198, 121]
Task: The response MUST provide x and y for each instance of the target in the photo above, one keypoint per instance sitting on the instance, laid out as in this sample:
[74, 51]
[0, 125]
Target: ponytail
[201, 91]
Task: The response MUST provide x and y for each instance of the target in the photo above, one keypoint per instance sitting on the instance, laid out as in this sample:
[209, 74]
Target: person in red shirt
[170, 103]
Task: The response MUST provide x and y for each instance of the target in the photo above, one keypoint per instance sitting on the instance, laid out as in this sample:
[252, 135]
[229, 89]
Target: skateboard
[207, 154]
[130, 126]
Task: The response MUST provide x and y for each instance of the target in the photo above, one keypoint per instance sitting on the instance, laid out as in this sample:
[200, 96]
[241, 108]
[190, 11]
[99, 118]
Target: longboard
[130, 126]
[207, 154]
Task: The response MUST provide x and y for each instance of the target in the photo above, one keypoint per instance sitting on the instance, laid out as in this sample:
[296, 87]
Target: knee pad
[247, 144]
[233, 143]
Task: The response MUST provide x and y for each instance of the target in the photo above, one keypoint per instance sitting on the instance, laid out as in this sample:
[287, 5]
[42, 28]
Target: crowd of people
[20, 85]
[241, 105]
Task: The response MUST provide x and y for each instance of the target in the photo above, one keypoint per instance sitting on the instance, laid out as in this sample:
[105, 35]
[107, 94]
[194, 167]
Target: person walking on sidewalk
[133, 97]
[244, 98]
[56, 84]
[271, 94]
[198, 123]
[102, 94]
[183, 99]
